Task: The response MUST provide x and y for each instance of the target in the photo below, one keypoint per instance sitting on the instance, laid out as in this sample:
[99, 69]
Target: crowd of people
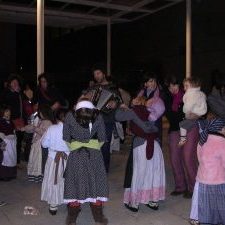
[67, 149]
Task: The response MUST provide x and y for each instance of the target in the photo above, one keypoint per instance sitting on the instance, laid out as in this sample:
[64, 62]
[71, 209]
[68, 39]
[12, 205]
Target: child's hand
[124, 107]
[149, 102]
[111, 105]
[139, 101]
[128, 131]
[223, 131]
[191, 116]
[2, 146]
[29, 128]
[22, 129]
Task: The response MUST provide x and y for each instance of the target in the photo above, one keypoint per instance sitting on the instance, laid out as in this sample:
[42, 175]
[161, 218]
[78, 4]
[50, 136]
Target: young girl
[34, 167]
[53, 182]
[9, 156]
[194, 107]
[85, 175]
[209, 193]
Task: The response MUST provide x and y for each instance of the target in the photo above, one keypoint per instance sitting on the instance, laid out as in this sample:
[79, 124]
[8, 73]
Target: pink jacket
[211, 157]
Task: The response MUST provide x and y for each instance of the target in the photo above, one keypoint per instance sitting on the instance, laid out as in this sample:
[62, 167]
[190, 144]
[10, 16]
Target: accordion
[101, 96]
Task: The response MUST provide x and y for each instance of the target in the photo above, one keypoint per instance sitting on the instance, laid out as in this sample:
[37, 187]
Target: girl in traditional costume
[8, 156]
[34, 167]
[58, 151]
[85, 175]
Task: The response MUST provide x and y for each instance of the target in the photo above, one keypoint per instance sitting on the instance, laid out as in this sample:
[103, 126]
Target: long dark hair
[218, 81]
[3, 108]
[46, 112]
[60, 114]
[84, 116]
[148, 76]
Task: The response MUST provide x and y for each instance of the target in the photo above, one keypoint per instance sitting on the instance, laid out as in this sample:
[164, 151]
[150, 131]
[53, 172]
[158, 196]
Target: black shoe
[176, 193]
[132, 209]
[188, 194]
[52, 212]
[6, 179]
[153, 205]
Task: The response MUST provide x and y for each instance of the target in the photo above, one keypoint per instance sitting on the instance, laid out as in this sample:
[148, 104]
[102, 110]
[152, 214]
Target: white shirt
[194, 102]
[53, 140]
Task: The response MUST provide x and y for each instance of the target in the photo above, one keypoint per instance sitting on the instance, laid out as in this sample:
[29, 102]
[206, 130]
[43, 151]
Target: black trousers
[19, 136]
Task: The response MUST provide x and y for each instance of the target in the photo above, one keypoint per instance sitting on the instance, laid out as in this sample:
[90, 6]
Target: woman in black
[47, 94]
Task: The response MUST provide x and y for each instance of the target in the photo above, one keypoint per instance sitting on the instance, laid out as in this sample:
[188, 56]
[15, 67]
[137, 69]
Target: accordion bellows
[101, 97]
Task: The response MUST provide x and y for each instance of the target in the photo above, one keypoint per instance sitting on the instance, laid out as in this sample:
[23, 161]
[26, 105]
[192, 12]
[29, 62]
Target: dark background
[155, 43]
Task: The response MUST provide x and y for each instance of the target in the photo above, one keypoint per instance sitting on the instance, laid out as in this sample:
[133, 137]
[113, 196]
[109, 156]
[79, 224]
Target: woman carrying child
[147, 182]
[53, 183]
[85, 175]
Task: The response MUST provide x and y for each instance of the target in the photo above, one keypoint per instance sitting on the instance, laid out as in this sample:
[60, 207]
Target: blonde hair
[193, 81]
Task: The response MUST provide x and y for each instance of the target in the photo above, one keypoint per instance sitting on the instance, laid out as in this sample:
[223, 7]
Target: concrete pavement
[20, 193]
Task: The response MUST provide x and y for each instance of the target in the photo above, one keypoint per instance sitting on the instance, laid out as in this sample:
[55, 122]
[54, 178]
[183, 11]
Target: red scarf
[143, 114]
[177, 100]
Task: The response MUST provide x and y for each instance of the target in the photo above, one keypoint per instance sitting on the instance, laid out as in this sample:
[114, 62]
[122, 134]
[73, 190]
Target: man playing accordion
[106, 97]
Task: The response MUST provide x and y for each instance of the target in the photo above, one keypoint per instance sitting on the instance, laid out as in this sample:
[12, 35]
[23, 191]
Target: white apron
[10, 155]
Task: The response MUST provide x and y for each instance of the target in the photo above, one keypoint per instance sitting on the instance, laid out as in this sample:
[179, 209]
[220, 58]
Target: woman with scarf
[154, 104]
[183, 159]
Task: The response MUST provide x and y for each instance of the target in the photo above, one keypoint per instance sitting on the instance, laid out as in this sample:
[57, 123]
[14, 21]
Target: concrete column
[40, 37]
[188, 39]
[109, 47]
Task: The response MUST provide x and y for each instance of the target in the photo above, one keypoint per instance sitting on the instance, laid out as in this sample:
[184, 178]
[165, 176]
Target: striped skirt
[211, 204]
[34, 166]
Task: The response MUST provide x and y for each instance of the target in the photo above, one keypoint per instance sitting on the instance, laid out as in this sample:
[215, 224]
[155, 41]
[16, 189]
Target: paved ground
[21, 193]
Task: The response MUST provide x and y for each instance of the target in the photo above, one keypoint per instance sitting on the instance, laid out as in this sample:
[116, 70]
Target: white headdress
[84, 104]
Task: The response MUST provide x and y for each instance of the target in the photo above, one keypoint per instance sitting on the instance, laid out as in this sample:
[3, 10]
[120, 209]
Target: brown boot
[97, 213]
[72, 215]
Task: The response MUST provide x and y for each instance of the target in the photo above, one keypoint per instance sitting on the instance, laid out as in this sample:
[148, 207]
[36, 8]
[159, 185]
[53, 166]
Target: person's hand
[22, 129]
[139, 101]
[55, 106]
[191, 116]
[223, 131]
[111, 105]
[128, 131]
[124, 107]
[2, 146]
[29, 128]
[135, 101]
[149, 102]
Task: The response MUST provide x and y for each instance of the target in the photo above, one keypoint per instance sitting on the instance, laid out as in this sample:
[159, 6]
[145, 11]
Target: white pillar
[109, 47]
[188, 39]
[40, 37]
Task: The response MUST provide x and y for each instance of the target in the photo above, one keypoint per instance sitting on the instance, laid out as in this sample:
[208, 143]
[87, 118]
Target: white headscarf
[87, 105]
[84, 104]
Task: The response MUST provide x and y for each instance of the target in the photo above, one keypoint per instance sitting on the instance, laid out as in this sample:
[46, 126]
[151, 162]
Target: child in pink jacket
[208, 202]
